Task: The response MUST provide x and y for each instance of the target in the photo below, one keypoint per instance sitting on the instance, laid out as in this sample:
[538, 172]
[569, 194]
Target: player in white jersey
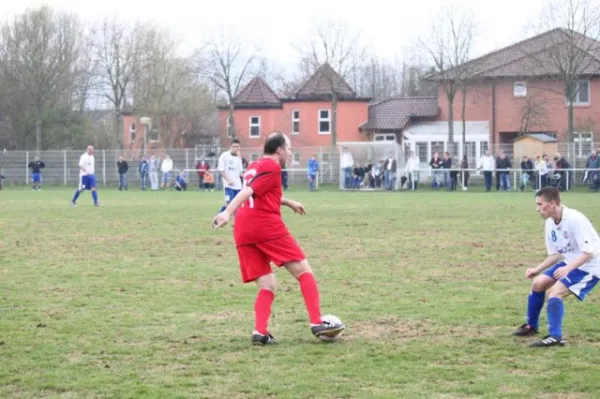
[87, 179]
[573, 266]
[231, 169]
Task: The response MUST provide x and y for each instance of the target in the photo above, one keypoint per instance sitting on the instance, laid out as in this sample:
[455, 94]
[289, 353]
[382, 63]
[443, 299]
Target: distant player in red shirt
[261, 237]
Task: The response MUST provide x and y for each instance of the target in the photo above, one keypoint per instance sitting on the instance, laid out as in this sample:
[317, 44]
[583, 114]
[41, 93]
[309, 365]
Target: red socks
[262, 310]
[310, 292]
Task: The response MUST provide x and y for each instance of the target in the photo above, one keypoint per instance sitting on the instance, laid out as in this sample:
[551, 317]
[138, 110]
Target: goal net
[371, 153]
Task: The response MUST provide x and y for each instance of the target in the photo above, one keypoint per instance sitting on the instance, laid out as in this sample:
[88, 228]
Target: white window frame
[296, 158]
[384, 137]
[579, 138]
[251, 125]
[523, 92]
[328, 120]
[576, 102]
[296, 120]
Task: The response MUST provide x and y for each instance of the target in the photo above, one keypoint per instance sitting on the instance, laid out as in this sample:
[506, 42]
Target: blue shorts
[166, 177]
[36, 177]
[230, 194]
[578, 281]
[88, 182]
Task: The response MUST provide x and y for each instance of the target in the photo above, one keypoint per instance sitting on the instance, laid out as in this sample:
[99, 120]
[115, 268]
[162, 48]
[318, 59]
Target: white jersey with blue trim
[86, 162]
[231, 165]
[573, 236]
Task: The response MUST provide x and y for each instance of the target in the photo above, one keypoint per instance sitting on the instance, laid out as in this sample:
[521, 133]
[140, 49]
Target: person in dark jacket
[526, 172]
[436, 164]
[143, 171]
[464, 177]
[562, 168]
[503, 165]
[390, 167]
[447, 165]
[36, 167]
[122, 167]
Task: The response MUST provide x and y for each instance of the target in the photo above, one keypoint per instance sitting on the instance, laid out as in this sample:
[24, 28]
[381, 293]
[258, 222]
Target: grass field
[141, 298]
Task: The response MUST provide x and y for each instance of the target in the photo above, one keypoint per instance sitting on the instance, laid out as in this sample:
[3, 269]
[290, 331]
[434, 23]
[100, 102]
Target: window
[254, 157]
[437, 146]
[384, 137]
[520, 89]
[483, 147]
[295, 122]
[580, 93]
[132, 133]
[154, 135]
[296, 159]
[584, 143]
[421, 151]
[470, 150]
[255, 126]
[324, 122]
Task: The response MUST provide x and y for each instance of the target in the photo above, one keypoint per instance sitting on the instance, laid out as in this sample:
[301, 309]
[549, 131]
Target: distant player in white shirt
[87, 179]
[573, 265]
[231, 169]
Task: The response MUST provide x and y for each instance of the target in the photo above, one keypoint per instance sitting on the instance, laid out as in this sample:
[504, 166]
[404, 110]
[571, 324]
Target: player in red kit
[261, 237]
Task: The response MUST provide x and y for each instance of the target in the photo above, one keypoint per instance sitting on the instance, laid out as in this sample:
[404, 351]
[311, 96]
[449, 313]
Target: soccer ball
[335, 320]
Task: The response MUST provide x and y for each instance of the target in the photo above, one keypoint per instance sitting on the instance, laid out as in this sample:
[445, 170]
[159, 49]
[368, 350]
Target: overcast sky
[276, 23]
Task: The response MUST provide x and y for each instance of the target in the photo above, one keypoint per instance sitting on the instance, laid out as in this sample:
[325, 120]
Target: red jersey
[201, 167]
[259, 218]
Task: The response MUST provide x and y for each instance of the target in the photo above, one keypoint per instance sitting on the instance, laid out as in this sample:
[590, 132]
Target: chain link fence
[62, 166]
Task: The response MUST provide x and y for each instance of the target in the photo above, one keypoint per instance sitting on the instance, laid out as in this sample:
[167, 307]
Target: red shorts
[255, 259]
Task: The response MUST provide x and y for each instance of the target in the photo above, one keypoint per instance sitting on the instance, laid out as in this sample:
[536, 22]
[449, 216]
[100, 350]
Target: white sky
[275, 24]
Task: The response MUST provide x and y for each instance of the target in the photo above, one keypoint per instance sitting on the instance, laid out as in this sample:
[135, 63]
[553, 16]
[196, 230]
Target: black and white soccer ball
[334, 320]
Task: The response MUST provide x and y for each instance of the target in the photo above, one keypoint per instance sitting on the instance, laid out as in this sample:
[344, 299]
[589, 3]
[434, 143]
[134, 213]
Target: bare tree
[118, 56]
[533, 113]
[335, 44]
[378, 79]
[38, 51]
[448, 48]
[575, 51]
[226, 61]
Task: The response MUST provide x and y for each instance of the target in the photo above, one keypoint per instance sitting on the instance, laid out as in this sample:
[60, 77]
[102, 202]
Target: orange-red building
[509, 93]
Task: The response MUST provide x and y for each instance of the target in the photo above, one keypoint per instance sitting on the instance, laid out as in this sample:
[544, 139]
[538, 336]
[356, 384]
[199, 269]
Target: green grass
[141, 298]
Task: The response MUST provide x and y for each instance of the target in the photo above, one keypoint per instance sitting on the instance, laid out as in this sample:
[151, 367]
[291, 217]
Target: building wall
[543, 109]
[350, 115]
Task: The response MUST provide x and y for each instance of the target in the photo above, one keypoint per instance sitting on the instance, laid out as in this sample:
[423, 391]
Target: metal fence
[62, 166]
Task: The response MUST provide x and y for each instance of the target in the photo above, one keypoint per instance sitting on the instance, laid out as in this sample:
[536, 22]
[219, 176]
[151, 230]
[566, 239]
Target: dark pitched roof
[396, 113]
[257, 93]
[532, 57]
[544, 138]
[319, 85]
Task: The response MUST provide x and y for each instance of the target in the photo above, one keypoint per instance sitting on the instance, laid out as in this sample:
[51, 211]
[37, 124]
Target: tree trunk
[334, 106]
[117, 141]
[38, 135]
[231, 123]
[462, 117]
[450, 119]
[570, 123]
